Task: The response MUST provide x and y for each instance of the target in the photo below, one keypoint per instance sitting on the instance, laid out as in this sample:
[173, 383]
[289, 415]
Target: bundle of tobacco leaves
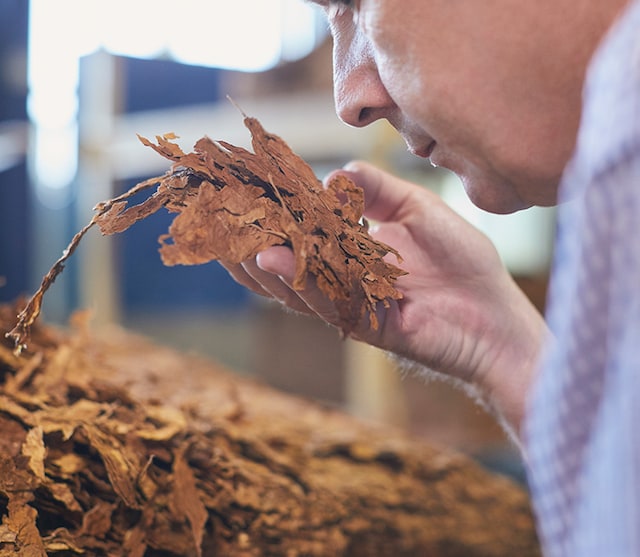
[112, 445]
[233, 203]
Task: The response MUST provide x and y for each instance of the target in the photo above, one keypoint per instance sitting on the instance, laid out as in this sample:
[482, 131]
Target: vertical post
[373, 386]
[98, 283]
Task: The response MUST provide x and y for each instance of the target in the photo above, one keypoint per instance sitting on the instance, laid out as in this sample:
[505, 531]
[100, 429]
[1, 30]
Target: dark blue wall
[146, 283]
[14, 194]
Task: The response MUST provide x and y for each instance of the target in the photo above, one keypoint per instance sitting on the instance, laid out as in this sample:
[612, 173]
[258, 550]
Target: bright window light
[245, 34]
[298, 37]
[242, 35]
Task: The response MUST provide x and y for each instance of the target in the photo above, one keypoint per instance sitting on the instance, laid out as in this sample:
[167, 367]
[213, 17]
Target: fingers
[279, 261]
[273, 270]
[271, 275]
[265, 281]
[249, 275]
[384, 193]
[268, 283]
[239, 274]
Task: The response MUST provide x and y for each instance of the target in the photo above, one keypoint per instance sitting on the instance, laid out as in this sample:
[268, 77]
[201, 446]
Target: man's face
[483, 88]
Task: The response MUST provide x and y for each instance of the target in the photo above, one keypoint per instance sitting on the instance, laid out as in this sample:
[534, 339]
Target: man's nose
[360, 96]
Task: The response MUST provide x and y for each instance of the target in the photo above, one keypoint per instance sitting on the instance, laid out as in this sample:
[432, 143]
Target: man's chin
[493, 198]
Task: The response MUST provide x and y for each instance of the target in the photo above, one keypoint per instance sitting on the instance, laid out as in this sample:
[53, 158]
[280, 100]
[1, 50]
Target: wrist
[505, 380]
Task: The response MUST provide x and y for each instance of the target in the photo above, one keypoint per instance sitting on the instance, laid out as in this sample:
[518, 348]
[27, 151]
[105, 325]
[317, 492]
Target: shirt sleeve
[583, 425]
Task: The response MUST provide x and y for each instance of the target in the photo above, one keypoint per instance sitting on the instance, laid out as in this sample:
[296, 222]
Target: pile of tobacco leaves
[113, 445]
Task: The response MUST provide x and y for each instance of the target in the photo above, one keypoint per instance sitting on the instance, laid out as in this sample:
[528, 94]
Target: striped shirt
[582, 430]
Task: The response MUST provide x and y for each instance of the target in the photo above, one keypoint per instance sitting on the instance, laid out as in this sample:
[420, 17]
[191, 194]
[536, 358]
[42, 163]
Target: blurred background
[80, 78]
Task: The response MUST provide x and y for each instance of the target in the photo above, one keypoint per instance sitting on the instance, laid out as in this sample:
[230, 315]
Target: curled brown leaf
[233, 203]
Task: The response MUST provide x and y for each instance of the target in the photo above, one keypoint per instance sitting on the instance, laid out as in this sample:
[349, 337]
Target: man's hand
[461, 314]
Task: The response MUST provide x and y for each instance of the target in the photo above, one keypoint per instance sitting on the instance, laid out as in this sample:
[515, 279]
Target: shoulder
[610, 126]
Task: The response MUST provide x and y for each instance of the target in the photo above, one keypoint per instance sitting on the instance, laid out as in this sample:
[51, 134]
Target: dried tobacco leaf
[233, 203]
[113, 445]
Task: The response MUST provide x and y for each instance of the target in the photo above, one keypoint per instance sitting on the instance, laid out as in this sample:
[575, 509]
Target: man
[530, 103]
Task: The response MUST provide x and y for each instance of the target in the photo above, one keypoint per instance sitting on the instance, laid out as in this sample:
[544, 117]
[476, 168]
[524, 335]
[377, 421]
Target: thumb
[384, 194]
[278, 260]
